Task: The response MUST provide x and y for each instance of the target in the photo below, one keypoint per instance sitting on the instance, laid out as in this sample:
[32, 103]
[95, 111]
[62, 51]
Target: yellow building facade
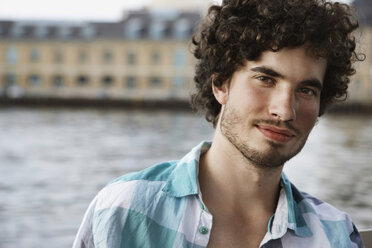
[148, 60]
[103, 68]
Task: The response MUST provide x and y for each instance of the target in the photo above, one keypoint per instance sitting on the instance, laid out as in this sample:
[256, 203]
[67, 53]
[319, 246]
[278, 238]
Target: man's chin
[265, 159]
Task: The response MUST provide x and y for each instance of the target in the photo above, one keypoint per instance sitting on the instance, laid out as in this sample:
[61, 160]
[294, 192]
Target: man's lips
[276, 134]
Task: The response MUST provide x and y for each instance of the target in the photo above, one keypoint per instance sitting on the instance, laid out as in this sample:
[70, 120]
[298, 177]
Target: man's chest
[236, 234]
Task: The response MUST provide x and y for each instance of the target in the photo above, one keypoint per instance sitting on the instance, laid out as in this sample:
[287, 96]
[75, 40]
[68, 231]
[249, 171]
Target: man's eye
[308, 91]
[265, 79]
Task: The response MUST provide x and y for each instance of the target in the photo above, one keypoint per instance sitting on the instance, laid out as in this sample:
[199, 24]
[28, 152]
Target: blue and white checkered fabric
[162, 207]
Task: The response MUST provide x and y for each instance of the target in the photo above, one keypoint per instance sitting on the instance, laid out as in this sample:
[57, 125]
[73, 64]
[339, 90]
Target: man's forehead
[296, 62]
[304, 51]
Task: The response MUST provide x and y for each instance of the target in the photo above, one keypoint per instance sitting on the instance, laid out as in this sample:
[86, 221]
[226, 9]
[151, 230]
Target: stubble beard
[271, 158]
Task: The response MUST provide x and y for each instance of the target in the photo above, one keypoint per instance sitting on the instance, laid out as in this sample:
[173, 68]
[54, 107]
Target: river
[53, 162]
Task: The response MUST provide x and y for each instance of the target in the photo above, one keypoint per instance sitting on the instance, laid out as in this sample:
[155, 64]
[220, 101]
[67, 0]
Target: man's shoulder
[316, 212]
[309, 204]
[324, 210]
[121, 190]
[157, 172]
[315, 221]
[337, 224]
[320, 214]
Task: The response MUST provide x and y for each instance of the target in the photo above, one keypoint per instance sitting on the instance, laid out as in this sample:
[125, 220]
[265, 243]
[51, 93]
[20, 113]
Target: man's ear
[221, 92]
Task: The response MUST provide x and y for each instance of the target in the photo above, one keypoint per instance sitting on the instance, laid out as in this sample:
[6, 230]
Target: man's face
[271, 105]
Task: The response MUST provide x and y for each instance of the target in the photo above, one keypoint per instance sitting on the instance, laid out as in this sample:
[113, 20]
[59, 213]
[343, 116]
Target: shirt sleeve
[84, 237]
[356, 239]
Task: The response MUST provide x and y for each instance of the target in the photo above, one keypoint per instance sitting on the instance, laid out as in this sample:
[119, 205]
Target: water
[53, 162]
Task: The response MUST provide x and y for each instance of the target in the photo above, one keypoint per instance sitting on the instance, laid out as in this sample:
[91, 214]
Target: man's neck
[228, 180]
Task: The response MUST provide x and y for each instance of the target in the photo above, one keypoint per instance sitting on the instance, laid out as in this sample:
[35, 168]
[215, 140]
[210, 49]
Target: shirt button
[203, 230]
[202, 206]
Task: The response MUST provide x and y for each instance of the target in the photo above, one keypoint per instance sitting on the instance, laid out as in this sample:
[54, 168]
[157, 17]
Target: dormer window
[157, 30]
[88, 32]
[133, 28]
[41, 31]
[17, 31]
[181, 29]
[64, 31]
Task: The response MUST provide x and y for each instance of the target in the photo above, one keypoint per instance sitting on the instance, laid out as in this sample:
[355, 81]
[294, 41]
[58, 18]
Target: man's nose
[283, 105]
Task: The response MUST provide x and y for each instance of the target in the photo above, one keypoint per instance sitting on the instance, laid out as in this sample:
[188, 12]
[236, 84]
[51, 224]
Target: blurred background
[90, 90]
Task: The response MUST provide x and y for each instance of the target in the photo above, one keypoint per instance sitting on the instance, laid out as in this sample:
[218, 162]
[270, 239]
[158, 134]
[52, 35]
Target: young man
[266, 70]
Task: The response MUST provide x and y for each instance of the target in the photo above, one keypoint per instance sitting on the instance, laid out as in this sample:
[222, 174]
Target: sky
[76, 10]
[67, 9]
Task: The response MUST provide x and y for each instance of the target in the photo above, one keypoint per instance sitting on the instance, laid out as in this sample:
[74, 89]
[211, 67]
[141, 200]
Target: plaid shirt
[162, 207]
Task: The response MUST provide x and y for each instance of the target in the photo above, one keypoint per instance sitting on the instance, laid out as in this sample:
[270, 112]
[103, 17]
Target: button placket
[204, 227]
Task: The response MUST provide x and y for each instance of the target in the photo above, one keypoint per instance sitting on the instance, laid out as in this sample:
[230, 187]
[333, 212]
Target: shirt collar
[183, 180]
[289, 212]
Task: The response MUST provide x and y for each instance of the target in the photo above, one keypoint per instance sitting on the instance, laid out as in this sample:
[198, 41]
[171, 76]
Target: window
[17, 31]
[107, 81]
[58, 81]
[131, 82]
[132, 58]
[64, 31]
[107, 56]
[181, 29]
[179, 82]
[155, 58]
[179, 58]
[58, 57]
[155, 81]
[10, 88]
[11, 55]
[88, 32]
[34, 80]
[133, 28]
[41, 31]
[157, 30]
[34, 54]
[83, 57]
[10, 79]
[82, 80]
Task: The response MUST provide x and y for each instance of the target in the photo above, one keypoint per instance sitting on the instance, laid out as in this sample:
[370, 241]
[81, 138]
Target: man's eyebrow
[313, 83]
[267, 70]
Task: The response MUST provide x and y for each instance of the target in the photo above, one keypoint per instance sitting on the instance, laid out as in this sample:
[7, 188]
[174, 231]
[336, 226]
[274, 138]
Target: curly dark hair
[241, 30]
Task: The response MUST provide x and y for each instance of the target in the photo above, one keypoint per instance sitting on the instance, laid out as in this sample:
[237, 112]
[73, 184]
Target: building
[143, 56]
[361, 85]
